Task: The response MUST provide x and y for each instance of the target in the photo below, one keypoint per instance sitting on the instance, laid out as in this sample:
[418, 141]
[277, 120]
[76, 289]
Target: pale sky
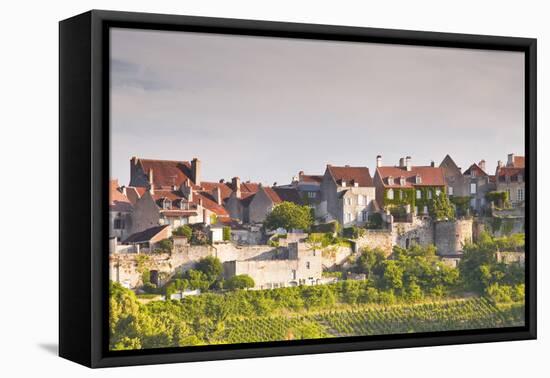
[265, 108]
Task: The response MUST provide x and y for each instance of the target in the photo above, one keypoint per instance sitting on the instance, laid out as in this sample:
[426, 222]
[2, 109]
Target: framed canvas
[235, 188]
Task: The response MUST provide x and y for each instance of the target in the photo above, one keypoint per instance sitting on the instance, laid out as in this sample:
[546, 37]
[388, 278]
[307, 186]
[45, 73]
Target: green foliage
[241, 281]
[213, 219]
[165, 245]
[227, 233]
[211, 267]
[184, 230]
[462, 204]
[370, 262]
[353, 232]
[500, 199]
[348, 308]
[441, 208]
[289, 216]
[375, 221]
[330, 227]
[479, 268]
[506, 293]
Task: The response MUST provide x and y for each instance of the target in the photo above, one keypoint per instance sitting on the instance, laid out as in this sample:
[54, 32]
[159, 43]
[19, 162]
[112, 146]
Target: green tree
[289, 216]
[393, 275]
[441, 208]
[212, 268]
[241, 281]
[165, 245]
[370, 262]
[184, 230]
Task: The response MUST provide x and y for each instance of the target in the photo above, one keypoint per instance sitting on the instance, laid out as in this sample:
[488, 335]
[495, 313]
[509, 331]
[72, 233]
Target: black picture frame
[84, 164]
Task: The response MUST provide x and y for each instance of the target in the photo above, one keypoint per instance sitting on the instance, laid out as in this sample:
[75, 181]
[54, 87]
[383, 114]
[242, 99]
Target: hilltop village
[167, 219]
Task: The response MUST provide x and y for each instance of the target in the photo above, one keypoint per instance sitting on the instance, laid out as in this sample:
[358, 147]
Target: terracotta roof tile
[167, 173]
[477, 169]
[117, 200]
[351, 175]
[430, 176]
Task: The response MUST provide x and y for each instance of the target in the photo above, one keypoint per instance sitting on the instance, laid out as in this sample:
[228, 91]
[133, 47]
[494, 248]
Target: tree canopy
[289, 216]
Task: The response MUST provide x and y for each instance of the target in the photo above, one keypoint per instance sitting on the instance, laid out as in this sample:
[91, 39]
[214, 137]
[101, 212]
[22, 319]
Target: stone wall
[419, 231]
[380, 239]
[451, 236]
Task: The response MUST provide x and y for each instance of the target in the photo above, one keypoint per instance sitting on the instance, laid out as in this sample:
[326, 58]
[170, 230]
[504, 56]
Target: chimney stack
[187, 190]
[482, 165]
[408, 162]
[236, 182]
[218, 195]
[379, 161]
[150, 179]
[510, 160]
[402, 163]
[196, 170]
[432, 164]
[500, 164]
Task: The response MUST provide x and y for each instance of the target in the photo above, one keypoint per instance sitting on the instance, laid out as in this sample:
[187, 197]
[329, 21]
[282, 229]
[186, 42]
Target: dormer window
[390, 180]
[390, 194]
[402, 181]
[520, 177]
[184, 205]
[166, 204]
[418, 179]
[343, 183]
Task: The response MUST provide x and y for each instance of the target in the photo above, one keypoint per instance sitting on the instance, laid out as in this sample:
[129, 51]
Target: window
[437, 192]
[450, 190]
[418, 194]
[520, 194]
[311, 194]
[308, 265]
[293, 274]
[402, 181]
[361, 199]
[473, 188]
[348, 217]
[429, 194]
[390, 194]
[390, 180]
[365, 216]
[418, 179]
[119, 224]
[167, 203]
[348, 201]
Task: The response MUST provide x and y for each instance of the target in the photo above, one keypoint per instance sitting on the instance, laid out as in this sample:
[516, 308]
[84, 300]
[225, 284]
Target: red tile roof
[430, 176]
[311, 178]
[351, 175]
[225, 189]
[167, 173]
[210, 204]
[519, 162]
[117, 200]
[510, 171]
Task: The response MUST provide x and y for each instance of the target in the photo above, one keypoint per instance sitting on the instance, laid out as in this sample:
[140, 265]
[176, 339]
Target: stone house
[347, 195]
[146, 240]
[456, 183]
[120, 212]
[164, 174]
[309, 187]
[238, 201]
[297, 265]
[266, 198]
[479, 183]
[406, 188]
[511, 179]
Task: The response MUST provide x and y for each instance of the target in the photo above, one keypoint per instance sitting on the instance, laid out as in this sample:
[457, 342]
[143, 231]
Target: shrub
[241, 281]
[227, 233]
[183, 231]
[289, 216]
[165, 245]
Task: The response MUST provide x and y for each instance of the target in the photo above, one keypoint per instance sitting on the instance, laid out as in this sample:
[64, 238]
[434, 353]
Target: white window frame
[473, 188]
[418, 194]
[450, 190]
[389, 194]
[520, 194]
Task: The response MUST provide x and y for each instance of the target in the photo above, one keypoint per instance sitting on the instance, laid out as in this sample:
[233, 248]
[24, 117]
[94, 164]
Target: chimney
[482, 165]
[500, 164]
[218, 195]
[196, 170]
[432, 164]
[408, 161]
[236, 186]
[150, 179]
[510, 160]
[186, 190]
[379, 161]
[401, 162]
